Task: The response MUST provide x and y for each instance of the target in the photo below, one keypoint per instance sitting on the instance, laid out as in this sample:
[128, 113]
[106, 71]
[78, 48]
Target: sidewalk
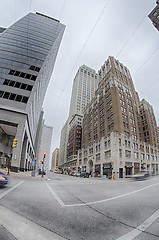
[27, 174]
[5, 235]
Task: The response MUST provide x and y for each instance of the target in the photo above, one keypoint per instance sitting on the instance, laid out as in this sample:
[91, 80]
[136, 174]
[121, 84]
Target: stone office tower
[119, 131]
[28, 51]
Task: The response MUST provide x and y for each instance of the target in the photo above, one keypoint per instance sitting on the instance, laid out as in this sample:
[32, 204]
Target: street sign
[33, 162]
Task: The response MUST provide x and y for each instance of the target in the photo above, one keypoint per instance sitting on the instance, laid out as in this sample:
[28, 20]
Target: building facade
[154, 16]
[84, 86]
[55, 160]
[119, 135]
[28, 51]
[45, 147]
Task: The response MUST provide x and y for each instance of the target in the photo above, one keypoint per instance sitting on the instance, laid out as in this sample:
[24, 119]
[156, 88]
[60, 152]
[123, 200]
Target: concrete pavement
[14, 226]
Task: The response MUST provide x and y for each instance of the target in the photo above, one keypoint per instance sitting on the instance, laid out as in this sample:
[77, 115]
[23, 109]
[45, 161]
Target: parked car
[76, 174]
[84, 174]
[3, 179]
[141, 175]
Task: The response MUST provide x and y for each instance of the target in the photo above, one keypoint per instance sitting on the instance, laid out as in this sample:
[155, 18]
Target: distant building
[45, 146]
[55, 159]
[154, 16]
[28, 51]
[63, 144]
[84, 86]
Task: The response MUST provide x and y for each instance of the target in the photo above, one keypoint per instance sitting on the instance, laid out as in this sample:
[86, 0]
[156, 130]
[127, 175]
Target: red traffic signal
[44, 154]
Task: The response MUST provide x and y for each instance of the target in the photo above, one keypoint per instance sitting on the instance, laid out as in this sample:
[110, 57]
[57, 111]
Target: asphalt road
[66, 207]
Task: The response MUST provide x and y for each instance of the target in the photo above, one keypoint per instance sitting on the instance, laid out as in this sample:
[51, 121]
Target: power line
[152, 84]
[141, 66]
[62, 9]
[134, 32]
[84, 45]
[80, 53]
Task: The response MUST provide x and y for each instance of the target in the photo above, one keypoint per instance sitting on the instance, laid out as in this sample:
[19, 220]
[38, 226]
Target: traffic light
[14, 144]
[44, 154]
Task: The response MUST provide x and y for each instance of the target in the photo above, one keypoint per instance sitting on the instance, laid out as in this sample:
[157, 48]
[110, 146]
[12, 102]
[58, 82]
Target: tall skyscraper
[45, 146]
[84, 86]
[55, 159]
[119, 131]
[28, 51]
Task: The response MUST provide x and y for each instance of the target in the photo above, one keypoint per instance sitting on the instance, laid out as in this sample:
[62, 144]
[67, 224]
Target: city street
[66, 207]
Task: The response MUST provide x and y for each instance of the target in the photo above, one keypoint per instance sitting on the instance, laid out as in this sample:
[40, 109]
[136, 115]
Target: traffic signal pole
[44, 156]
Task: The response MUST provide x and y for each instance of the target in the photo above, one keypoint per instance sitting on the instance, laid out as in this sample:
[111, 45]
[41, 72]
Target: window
[127, 154]
[24, 99]
[23, 86]
[108, 154]
[6, 95]
[6, 82]
[98, 157]
[12, 96]
[18, 98]
[17, 84]
[1, 93]
[120, 152]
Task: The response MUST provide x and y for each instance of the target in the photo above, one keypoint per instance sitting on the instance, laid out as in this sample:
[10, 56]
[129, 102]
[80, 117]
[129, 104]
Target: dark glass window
[32, 68]
[6, 95]
[12, 96]
[6, 82]
[17, 73]
[1, 93]
[2, 81]
[37, 69]
[17, 84]
[24, 99]
[28, 76]
[33, 77]
[12, 83]
[11, 72]
[22, 74]
[23, 86]
[29, 87]
[18, 98]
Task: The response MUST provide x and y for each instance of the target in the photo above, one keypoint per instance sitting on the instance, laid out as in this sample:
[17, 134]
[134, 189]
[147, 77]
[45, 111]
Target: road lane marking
[56, 196]
[10, 190]
[95, 202]
[23, 229]
[134, 233]
[112, 198]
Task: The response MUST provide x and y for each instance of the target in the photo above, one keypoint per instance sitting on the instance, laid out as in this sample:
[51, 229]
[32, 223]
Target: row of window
[40, 24]
[19, 64]
[23, 50]
[26, 44]
[15, 84]
[20, 56]
[13, 96]
[31, 39]
[18, 74]
[30, 33]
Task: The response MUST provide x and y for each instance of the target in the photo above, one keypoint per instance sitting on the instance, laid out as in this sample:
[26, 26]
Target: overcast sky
[95, 29]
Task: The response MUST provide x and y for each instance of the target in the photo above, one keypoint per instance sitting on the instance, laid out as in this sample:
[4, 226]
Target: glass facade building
[28, 51]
